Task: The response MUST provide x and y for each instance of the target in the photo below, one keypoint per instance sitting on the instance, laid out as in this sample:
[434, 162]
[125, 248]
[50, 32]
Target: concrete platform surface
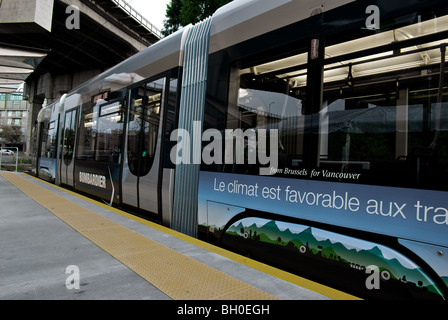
[43, 258]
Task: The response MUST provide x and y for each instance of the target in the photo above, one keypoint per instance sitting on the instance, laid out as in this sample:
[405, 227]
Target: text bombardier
[239, 147]
[92, 179]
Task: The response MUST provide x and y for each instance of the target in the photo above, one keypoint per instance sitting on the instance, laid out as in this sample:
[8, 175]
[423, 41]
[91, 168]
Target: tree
[11, 135]
[173, 15]
[180, 13]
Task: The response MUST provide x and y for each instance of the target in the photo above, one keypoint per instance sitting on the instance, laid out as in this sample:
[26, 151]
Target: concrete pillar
[35, 107]
[26, 16]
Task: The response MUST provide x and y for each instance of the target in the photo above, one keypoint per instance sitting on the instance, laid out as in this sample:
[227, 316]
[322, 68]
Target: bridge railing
[137, 16]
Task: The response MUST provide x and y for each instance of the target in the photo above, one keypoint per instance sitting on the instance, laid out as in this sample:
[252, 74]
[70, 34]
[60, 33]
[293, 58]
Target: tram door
[141, 164]
[68, 146]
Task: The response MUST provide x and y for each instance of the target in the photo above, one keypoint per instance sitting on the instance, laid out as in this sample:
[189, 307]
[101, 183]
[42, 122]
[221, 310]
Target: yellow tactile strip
[178, 276]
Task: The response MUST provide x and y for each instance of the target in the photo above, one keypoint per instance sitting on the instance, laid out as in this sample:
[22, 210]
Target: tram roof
[241, 20]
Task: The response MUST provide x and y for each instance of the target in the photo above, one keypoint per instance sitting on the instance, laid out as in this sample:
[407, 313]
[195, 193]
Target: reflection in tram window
[383, 113]
[268, 104]
[87, 133]
[143, 126]
[109, 133]
[49, 140]
[101, 132]
[68, 142]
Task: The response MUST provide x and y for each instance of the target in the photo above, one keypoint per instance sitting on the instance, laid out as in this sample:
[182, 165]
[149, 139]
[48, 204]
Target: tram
[310, 135]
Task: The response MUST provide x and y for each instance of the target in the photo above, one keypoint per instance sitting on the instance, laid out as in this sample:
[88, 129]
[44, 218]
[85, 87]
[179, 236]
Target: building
[14, 111]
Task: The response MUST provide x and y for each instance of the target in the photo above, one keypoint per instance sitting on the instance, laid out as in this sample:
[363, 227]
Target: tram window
[134, 128]
[261, 99]
[411, 31]
[109, 133]
[87, 132]
[143, 125]
[381, 117]
[49, 140]
[101, 132]
[171, 122]
[68, 142]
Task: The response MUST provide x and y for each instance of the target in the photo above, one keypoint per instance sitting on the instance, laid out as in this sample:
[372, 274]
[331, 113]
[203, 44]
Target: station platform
[59, 245]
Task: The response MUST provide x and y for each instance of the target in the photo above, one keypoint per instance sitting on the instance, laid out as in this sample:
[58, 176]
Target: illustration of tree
[256, 236]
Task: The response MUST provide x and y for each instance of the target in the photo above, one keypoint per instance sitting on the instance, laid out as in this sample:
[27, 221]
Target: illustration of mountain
[330, 248]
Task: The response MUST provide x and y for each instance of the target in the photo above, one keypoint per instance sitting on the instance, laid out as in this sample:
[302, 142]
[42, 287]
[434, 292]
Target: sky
[153, 10]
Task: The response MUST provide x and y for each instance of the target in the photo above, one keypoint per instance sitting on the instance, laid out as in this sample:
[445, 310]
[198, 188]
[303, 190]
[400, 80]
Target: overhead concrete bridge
[56, 45]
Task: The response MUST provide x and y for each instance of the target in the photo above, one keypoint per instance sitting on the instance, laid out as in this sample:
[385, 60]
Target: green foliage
[11, 134]
[180, 13]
